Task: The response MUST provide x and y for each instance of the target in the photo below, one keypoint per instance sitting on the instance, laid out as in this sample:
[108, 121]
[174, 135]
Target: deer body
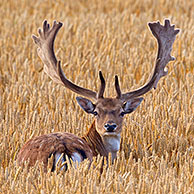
[41, 148]
[96, 141]
[76, 148]
[103, 137]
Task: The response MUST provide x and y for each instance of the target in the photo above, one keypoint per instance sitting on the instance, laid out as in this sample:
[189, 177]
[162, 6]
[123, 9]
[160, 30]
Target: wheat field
[157, 148]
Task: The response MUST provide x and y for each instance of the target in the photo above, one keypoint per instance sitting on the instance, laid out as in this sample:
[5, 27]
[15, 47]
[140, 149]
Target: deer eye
[95, 113]
[122, 114]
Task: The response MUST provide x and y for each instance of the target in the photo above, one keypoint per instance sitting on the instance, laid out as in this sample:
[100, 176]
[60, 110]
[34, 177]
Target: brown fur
[104, 136]
[93, 143]
[108, 110]
[42, 147]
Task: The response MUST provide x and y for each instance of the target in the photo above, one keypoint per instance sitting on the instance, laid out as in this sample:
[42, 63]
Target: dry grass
[111, 36]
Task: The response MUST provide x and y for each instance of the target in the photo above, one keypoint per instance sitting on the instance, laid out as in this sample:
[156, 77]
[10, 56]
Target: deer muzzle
[110, 127]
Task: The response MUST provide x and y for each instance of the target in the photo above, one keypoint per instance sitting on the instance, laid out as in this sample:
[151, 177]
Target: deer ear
[131, 105]
[86, 104]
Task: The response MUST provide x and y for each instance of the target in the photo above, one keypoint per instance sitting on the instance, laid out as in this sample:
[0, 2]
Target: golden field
[157, 149]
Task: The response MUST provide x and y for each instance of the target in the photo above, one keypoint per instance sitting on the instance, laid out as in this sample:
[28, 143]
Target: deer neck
[95, 141]
[102, 145]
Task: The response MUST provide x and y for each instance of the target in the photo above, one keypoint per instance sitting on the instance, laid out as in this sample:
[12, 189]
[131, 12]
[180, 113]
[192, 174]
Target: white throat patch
[112, 142]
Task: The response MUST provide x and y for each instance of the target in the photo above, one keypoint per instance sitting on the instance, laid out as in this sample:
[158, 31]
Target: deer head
[109, 112]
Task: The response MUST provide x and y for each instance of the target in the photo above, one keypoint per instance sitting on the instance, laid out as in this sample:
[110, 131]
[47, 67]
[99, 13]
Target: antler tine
[52, 67]
[102, 86]
[117, 87]
[165, 36]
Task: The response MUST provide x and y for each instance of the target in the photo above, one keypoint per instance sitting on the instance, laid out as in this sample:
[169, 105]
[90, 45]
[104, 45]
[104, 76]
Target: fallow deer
[103, 137]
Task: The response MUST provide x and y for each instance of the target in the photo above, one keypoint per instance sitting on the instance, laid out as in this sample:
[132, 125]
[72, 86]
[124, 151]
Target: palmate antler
[52, 66]
[165, 36]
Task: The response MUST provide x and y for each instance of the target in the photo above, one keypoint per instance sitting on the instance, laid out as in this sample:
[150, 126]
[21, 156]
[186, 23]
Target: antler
[52, 67]
[165, 36]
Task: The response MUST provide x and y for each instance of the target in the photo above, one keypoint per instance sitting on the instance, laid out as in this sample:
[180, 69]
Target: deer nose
[110, 127]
